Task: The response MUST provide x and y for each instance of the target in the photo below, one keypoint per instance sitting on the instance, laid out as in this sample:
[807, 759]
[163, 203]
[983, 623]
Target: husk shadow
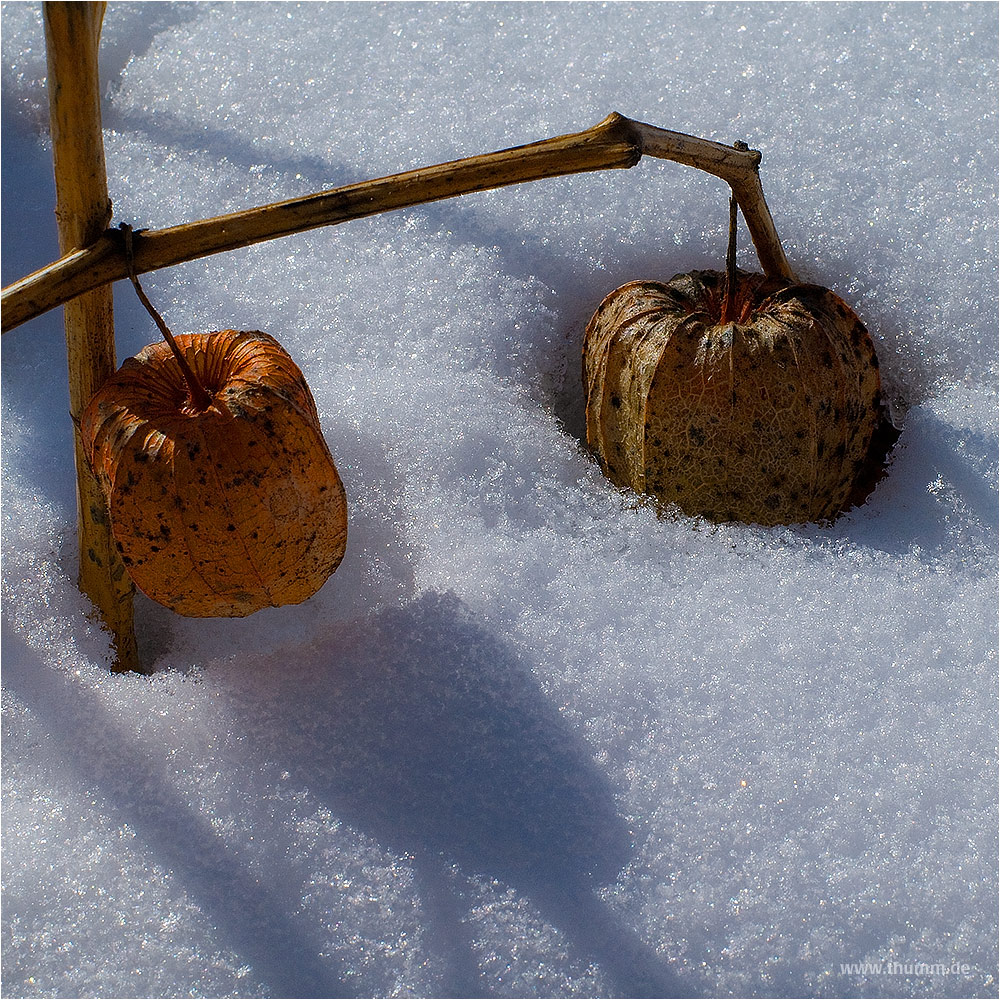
[427, 731]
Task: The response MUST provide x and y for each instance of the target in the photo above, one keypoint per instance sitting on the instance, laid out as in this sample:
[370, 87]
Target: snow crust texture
[533, 738]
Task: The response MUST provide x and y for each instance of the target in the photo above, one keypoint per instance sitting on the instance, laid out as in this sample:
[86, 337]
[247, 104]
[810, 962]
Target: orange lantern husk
[225, 510]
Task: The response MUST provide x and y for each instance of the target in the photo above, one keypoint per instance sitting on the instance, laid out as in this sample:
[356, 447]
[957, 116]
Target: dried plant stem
[729, 299]
[72, 33]
[200, 399]
[616, 142]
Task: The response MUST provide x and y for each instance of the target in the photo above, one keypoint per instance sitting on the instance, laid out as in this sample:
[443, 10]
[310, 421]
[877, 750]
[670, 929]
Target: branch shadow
[253, 912]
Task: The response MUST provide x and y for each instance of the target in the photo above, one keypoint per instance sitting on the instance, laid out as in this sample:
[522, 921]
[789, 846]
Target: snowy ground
[531, 739]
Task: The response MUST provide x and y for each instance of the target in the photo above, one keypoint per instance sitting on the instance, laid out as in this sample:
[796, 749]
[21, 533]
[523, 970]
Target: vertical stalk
[83, 211]
[729, 300]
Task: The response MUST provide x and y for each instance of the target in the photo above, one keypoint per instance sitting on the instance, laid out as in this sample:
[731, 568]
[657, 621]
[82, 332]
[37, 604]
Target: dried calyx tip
[200, 398]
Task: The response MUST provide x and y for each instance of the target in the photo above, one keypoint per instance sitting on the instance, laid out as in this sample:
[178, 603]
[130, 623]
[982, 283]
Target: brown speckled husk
[765, 419]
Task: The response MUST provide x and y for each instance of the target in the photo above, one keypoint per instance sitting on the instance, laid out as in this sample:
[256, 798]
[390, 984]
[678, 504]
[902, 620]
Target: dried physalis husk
[222, 510]
[766, 417]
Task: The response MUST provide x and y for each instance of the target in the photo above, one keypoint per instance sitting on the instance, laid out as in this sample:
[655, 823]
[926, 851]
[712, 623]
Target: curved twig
[616, 142]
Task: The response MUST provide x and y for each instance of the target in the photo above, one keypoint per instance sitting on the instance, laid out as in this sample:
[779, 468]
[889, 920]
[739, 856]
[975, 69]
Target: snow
[531, 739]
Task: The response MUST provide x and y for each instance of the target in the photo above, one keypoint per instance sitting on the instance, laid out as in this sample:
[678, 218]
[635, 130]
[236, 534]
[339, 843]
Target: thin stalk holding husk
[729, 298]
[200, 399]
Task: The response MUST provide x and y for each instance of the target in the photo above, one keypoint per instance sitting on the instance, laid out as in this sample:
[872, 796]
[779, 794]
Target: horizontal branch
[616, 142]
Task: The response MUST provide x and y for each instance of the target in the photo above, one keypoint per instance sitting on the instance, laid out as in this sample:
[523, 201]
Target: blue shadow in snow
[430, 734]
[938, 495]
[253, 913]
[421, 729]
